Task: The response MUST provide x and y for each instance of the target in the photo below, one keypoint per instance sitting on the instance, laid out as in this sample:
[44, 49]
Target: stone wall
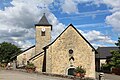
[58, 54]
[25, 56]
[42, 41]
[38, 62]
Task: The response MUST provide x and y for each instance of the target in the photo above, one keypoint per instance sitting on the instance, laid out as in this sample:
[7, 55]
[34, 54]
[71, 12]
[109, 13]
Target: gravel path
[16, 75]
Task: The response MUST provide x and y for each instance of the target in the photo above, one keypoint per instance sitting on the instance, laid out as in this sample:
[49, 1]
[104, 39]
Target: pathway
[110, 77]
[16, 75]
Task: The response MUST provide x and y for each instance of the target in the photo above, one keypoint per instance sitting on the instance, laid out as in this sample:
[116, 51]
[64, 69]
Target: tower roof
[43, 21]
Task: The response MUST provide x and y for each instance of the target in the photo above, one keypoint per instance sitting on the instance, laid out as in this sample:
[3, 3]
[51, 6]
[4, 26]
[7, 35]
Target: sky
[97, 20]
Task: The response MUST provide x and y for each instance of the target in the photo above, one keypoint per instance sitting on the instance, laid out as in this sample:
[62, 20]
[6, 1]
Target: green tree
[118, 43]
[115, 59]
[7, 50]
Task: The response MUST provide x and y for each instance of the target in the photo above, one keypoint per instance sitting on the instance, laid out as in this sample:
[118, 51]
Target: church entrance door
[71, 71]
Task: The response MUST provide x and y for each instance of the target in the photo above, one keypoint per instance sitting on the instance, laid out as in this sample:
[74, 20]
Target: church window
[71, 58]
[70, 51]
[42, 33]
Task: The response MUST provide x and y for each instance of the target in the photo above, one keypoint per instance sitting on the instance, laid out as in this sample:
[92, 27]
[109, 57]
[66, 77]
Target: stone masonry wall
[26, 56]
[58, 54]
[38, 62]
[42, 41]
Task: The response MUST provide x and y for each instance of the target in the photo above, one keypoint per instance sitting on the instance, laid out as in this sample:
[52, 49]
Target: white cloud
[114, 21]
[97, 37]
[98, 25]
[25, 44]
[98, 45]
[69, 6]
[112, 3]
[94, 36]
[114, 18]
[58, 27]
[17, 22]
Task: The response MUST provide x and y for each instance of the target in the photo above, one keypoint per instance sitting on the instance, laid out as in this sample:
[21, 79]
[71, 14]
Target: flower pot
[77, 74]
[30, 70]
[80, 71]
[80, 75]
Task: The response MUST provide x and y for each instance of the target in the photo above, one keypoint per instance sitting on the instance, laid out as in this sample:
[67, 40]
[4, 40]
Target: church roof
[35, 56]
[78, 33]
[104, 52]
[28, 48]
[43, 21]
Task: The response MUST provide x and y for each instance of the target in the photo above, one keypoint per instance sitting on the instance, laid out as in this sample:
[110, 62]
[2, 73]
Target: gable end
[77, 32]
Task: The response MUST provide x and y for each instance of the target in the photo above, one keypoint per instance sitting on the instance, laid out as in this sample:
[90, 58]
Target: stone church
[69, 50]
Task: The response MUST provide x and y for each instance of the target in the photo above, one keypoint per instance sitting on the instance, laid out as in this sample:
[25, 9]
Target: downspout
[44, 60]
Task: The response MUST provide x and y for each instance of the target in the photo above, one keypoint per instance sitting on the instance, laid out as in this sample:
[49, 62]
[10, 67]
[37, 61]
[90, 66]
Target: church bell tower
[43, 34]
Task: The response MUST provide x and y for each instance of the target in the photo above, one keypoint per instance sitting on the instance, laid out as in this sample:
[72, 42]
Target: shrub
[30, 65]
[105, 67]
[80, 69]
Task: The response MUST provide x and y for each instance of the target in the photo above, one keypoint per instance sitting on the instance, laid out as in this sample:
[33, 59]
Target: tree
[118, 43]
[115, 58]
[7, 50]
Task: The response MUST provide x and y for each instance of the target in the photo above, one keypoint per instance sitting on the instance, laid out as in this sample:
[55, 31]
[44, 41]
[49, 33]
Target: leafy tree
[115, 58]
[7, 50]
[118, 43]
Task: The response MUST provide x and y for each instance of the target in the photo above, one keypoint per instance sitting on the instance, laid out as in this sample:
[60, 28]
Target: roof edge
[36, 55]
[27, 49]
[43, 25]
[77, 32]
